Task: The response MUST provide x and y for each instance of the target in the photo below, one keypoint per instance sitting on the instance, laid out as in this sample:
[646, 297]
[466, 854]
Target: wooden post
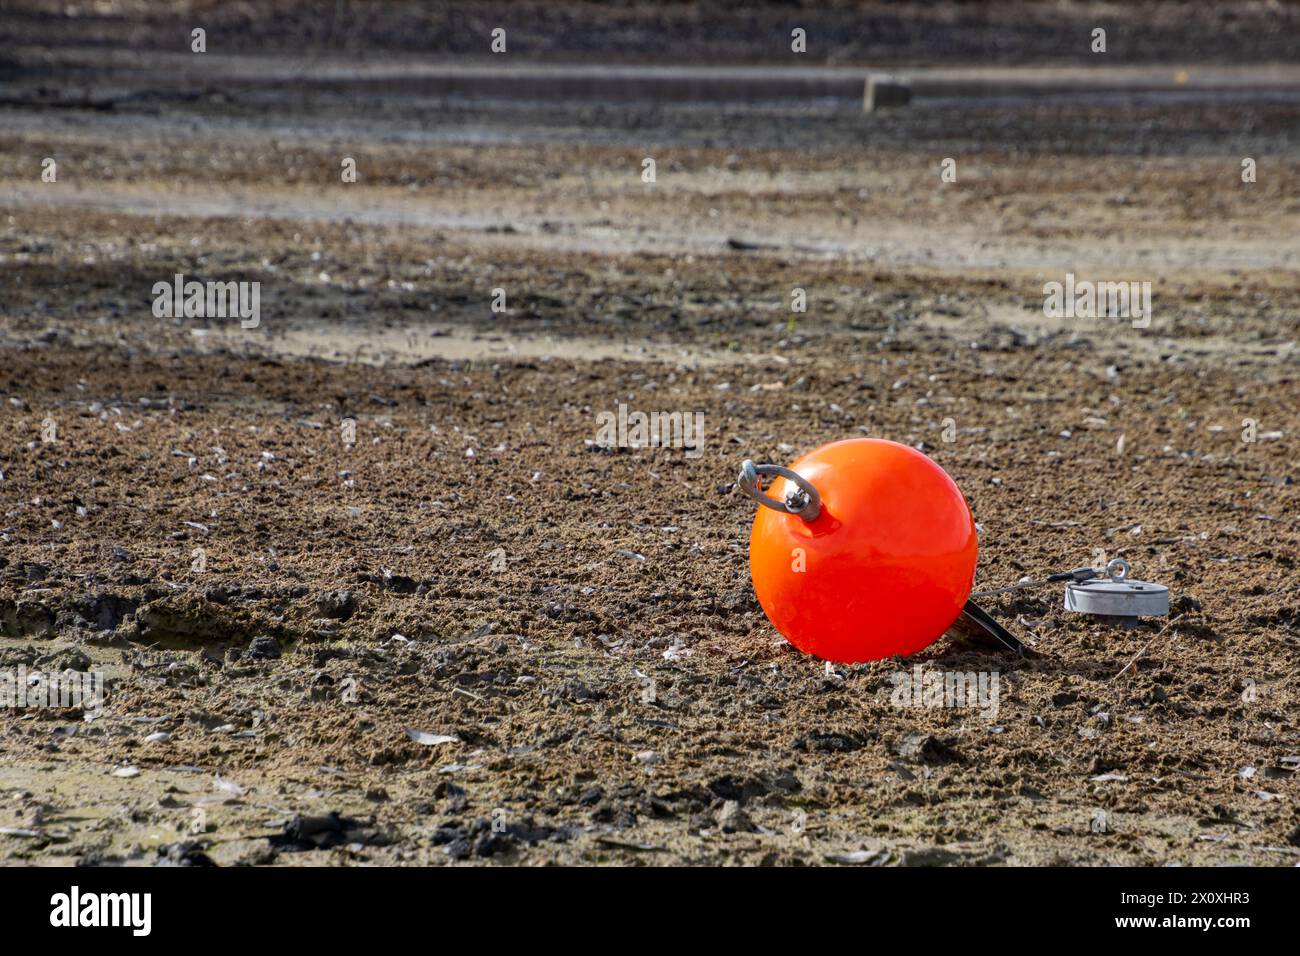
[884, 91]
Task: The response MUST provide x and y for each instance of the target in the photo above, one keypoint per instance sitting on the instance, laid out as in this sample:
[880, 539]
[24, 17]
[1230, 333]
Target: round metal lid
[1117, 598]
[1117, 595]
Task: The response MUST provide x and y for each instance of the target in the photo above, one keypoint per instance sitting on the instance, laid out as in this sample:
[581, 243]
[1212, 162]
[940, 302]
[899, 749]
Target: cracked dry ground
[471, 569]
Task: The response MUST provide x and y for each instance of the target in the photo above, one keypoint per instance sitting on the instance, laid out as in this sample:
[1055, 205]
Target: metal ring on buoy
[803, 500]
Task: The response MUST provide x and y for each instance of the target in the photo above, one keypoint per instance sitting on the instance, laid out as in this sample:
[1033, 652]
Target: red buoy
[868, 552]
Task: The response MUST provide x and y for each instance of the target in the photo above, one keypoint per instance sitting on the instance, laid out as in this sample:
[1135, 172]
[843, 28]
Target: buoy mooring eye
[802, 500]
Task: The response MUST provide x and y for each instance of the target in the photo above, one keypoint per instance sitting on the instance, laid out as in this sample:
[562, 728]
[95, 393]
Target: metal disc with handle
[1117, 595]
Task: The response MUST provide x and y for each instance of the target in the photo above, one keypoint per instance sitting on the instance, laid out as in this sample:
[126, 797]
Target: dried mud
[469, 636]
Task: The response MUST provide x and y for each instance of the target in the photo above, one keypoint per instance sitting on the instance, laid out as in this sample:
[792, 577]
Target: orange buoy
[867, 552]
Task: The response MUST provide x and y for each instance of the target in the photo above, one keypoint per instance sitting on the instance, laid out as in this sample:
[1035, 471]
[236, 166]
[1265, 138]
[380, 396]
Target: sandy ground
[570, 633]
